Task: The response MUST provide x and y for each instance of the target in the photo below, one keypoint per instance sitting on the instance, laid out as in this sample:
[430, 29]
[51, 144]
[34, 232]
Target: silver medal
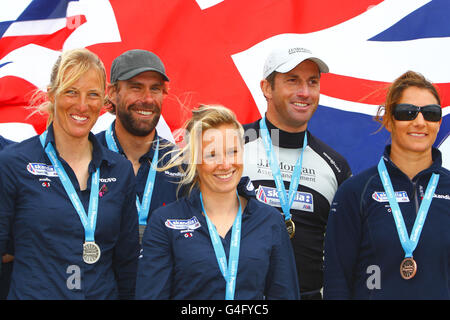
[91, 252]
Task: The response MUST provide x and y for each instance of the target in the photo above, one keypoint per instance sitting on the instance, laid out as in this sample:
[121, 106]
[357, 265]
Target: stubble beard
[140, 128]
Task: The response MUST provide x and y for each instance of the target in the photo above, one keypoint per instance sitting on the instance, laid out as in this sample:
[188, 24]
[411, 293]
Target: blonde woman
[388, 229]
[219, 242]
[68, 202]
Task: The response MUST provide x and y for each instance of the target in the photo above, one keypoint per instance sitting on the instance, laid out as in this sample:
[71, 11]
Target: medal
[91, 252]
[408, 268]
[286, 198]
[290, 226]
[141, 232]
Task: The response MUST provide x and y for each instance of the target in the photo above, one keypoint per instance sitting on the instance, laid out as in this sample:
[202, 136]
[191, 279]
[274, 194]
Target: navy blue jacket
[5, 268]
[4, 142]
[362, 248]
[181, 263]
[165, 190]
[48, 234]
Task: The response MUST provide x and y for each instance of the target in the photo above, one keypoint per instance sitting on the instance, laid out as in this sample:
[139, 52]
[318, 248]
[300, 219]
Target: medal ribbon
[143, 207]
[408, 244]
[229, 271]
[286, 201]
[89, 222]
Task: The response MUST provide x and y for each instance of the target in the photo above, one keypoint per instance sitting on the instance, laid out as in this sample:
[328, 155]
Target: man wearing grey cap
[290, 168]
[136, 93]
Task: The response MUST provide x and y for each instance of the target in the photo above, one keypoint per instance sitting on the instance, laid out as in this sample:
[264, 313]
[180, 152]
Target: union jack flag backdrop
[214, 51]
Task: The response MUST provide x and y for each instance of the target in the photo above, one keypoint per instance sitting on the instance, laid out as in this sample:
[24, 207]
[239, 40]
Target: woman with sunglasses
[388, 229]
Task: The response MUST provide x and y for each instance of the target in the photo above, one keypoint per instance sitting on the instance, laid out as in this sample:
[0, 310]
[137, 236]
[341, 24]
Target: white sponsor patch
[183, 224]
[400, 196]
[41, 169]
[302, 201]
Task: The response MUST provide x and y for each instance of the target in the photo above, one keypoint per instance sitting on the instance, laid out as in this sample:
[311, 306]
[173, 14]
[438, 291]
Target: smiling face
[221, 167]
[294, 97]
[78, 106]
[418, 135]
[138, 102]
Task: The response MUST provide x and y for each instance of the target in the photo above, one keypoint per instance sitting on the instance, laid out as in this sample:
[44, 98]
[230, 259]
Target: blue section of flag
[354, 135]
[39, 10]
[4, 64]
[349, 131]
[429, 21]
[4, 25]
[44, 9]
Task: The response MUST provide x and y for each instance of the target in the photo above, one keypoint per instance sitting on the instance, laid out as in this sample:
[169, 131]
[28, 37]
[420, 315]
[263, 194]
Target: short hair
[271, 77]
[68, 68]
[395, 92]
[186, 159]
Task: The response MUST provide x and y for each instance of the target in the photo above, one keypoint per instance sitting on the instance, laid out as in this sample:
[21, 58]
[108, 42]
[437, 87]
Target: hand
[7, 258]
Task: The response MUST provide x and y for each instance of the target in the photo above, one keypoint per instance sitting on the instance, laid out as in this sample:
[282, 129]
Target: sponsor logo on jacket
[302, 200]
[41, 169]
[400, 196]
[183, 224]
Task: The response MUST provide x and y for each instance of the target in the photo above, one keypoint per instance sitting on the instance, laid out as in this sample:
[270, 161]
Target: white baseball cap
[285, 59]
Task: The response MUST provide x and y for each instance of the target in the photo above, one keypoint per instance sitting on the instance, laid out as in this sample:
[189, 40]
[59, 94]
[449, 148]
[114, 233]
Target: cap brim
[130, 74]
[291, 64]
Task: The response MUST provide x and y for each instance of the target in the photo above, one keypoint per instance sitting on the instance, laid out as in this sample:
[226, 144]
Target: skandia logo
[41, 169]
[442, 196]
[174, 174]
[183, 224]
[302, 200]
[400, 196]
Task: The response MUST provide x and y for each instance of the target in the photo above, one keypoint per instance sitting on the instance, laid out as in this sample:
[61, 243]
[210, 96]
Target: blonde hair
[68, 68]
[186, 158]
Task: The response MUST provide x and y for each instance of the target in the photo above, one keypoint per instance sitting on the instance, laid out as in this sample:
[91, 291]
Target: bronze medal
[290, 226]
[408, 268]
[91, 252]
[141, 232]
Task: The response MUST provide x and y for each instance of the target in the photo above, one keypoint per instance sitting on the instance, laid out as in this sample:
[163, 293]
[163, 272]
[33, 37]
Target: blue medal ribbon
[286, 200]
[229, 271]
[144, 207]
[409, 244]
[89, 222]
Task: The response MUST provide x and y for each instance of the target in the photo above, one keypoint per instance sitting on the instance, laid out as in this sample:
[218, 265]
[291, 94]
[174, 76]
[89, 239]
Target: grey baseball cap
[133, 62]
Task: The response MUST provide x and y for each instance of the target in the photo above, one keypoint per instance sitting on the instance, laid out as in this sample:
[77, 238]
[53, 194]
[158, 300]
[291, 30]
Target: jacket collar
[434, 168]
[98, 151]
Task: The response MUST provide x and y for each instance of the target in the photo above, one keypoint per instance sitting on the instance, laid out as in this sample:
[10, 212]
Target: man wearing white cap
[289, 167]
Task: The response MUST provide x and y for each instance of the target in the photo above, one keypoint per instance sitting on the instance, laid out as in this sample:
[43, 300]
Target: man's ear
[266, 89]
[112, 92]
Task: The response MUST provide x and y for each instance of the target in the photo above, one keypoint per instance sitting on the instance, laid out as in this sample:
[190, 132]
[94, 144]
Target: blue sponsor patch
[302, 201]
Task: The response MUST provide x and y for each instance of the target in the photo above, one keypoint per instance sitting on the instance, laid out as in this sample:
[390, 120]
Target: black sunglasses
[408, 112]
